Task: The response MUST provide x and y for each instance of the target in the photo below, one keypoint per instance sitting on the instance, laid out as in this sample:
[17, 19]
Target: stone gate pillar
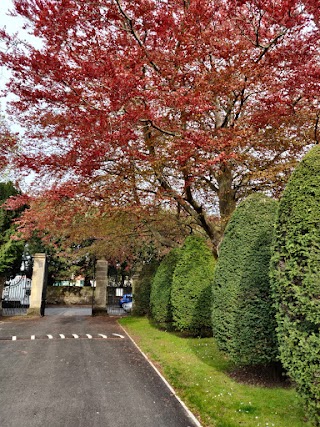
[99, 306]
[38, 285]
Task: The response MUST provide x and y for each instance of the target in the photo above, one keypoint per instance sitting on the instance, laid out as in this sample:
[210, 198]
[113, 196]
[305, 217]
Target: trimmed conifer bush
[142, 289]
[192, 286]
[295, 276]
[243, 317]
[160, 297]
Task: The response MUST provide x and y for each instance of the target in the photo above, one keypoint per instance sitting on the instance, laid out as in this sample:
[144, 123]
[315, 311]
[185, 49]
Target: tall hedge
[191, 287]
[160, 297]
[295, 275]
[242, 314]
[142, 289]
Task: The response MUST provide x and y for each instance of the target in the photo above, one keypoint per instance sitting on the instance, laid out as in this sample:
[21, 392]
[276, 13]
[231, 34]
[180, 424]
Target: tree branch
[316, 129]
[165, 132]
[211, 185]
[136, 36]
[79, 96]
[270, 45]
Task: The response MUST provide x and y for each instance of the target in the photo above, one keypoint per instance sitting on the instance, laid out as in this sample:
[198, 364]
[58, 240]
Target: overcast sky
[12, 25]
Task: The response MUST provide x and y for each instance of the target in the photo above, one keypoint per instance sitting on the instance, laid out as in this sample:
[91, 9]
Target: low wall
[69, 295]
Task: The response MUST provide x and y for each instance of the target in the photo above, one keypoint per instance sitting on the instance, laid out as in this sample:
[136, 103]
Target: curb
[187, 410]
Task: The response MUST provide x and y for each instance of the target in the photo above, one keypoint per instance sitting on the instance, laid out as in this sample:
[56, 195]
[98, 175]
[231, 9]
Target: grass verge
[198, 373]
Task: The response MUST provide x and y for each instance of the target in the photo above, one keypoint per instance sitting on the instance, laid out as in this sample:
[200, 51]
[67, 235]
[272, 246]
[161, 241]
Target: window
[119, 292]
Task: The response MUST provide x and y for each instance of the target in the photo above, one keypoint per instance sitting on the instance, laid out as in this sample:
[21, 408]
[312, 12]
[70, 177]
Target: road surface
[69, 369]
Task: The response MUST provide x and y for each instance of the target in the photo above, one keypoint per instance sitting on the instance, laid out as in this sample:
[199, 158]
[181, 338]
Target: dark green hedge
[191, 287]
[295, 275]
[242, 313]
[160, 297]
[142, 289]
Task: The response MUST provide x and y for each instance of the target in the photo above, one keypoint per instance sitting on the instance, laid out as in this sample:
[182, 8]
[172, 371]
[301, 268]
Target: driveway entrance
[79, 371]
[68, 311]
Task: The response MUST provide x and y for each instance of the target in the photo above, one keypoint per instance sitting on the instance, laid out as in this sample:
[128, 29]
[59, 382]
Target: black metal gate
[16, 296]
[113, 300]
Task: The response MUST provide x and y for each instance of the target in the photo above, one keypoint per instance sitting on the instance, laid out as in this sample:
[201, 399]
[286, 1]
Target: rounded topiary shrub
[191, 288]
[295, 276]
[142, 289]
[242, 314]
[160, 297]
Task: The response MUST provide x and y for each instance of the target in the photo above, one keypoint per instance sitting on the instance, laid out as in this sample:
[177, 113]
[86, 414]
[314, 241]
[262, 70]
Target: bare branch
[210, 184]
[270, 45]
[165, 132]
[316, 129]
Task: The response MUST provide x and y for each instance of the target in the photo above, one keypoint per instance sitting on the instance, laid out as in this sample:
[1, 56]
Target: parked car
[125, 299]
[127, 306]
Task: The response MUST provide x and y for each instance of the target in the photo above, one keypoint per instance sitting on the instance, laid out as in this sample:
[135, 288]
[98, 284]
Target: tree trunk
[226, 194]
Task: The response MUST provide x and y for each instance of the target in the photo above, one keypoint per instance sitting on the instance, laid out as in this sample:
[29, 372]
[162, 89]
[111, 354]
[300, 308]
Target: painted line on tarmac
[62, 337]
[173, 392]
[103, 336]
[118, 335]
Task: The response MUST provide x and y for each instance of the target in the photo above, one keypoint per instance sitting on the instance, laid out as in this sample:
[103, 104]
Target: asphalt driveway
[73, 370]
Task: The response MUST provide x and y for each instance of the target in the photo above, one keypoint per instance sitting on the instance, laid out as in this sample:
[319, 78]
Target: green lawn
[197, 371]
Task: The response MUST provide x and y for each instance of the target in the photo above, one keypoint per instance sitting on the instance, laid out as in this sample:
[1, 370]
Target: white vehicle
[127, 306]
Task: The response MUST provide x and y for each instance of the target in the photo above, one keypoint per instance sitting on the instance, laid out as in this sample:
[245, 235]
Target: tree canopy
[10, 249]
[196, 103]
[122, 234]
[7, 144]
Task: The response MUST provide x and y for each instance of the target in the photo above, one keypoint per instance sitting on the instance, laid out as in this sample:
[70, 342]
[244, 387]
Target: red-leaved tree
[196, 103]
[7, 144]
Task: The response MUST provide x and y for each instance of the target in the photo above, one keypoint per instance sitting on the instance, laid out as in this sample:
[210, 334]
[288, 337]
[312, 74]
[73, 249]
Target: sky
[12, 25]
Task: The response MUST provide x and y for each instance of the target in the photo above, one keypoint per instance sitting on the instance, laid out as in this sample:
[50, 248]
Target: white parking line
[103, 336]
[63, 336]
[118, 335]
